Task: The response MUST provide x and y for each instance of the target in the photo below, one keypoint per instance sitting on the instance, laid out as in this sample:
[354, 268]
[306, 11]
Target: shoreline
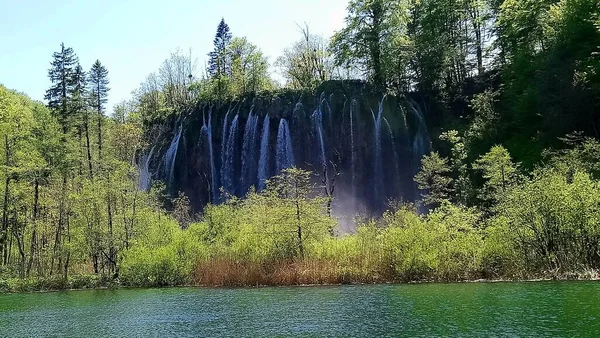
[29, 287]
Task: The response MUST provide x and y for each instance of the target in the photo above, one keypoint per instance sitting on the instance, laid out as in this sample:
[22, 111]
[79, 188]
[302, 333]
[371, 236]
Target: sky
[131, 38]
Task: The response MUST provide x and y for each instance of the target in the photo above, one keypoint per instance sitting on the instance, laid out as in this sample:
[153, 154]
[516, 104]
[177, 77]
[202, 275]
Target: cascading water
[145, 178]
[224, 137]
[263, 163]
[421, 144]
[285, 153]
[228, 171]
[394, 151]
[378, 185]
[171, 154]
[249, 148]
[206, 132]
[353, 105]
[317, 121]
[366, 165]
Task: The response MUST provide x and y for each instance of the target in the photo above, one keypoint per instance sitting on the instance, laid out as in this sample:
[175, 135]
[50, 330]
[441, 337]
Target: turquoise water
[534, 309]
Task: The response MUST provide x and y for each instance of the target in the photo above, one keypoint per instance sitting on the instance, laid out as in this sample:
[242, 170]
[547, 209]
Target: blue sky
[132, 37]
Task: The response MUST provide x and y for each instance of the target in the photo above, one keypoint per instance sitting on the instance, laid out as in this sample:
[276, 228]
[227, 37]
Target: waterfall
[237, 149]
[421, 142]
[224, 137]
[228, 172]
[298, 125]
[317, 120]
[171, 155]
[352, 153]
[263, 164]
[145, 178]
[285, 153]
[249, 153]
[394, 151]
[206, 131]
[420, 145]
[378, 163]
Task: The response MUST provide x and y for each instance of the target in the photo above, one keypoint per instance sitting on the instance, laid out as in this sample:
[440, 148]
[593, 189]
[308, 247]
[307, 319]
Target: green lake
[529, 309]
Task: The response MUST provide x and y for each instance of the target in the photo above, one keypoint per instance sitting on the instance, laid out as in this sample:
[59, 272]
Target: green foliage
[582, 153]
[434, 179]
[498, 170]
[371, 37]
[521, 73]
[249, 68]
[553, 218]
[462, 184]
[483, 126]
[307, 63]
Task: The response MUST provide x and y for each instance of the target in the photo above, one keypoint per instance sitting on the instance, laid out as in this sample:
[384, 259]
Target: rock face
[370, 143]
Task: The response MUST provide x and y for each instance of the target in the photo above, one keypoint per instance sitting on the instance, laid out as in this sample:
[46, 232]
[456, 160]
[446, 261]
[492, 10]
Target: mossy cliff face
[350, 136]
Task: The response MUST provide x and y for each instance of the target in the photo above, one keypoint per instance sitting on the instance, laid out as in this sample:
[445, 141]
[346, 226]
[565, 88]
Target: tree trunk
[59, 227]
[4, 229]
[299, 227]
[68, 255]
[374, 45]
[33, 244]
[111, 247]
[18, 233]
[86, 126]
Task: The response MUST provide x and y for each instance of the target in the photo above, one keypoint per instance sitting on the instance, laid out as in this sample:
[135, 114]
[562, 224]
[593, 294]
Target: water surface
[535, 309]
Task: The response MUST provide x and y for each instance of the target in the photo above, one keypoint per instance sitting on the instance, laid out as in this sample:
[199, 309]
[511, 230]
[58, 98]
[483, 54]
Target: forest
[509, 187]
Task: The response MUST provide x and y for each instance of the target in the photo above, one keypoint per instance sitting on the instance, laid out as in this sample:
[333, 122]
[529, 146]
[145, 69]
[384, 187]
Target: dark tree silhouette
[98, 81]
[63, 81]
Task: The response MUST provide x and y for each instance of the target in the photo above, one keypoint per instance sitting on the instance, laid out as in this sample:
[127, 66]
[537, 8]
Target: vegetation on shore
[511, 190]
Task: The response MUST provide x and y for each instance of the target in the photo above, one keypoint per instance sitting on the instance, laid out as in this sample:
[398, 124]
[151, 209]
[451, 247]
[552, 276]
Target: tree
[175, 76]
[368, 26]
[498, 170]
[484, 124]
[434, 178]
[182, 210]
[219, 63]
[98, 78]
[307, 63]
[458, 161]
[63, 83]
[80, 111]
[292, 190]
[379, 39]
[547, 46]
[249, 67]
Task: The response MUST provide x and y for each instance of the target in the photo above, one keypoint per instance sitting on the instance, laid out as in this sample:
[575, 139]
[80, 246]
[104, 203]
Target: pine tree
[77, 93]
[78, 107]
[99, 96]
[218, 64]
[434, 179]
[63, 85]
